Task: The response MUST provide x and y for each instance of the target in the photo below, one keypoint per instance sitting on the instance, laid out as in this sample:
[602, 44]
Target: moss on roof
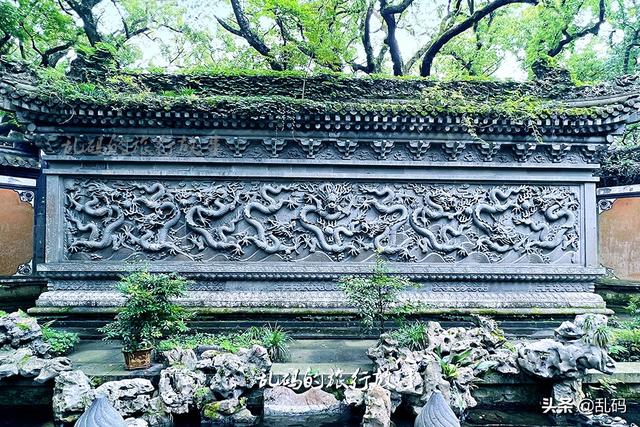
[255, 95]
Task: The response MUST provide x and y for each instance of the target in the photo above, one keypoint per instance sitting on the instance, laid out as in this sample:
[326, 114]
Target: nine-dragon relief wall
[272, 221]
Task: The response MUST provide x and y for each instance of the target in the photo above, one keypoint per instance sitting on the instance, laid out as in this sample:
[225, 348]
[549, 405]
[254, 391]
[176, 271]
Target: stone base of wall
[332, 302]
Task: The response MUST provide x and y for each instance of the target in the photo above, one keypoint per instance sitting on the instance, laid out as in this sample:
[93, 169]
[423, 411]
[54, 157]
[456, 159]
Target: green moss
[210, 410]
[23, 326]
[253, 95]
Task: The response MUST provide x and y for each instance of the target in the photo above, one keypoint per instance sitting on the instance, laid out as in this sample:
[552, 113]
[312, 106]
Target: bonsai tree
[149, 314]
[373, 296]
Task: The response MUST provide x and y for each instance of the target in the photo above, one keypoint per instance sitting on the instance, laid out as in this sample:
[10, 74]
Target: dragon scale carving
[312, 222]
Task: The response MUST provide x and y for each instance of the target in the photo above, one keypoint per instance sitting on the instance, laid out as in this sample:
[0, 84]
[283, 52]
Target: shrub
[374, 296]
[273, 338]
[413, 335]
[276, 341]
[149, 314]
[625, 344]
[61, 342]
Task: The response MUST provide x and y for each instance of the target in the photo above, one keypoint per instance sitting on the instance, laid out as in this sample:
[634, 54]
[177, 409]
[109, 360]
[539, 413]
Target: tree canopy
[593, 39]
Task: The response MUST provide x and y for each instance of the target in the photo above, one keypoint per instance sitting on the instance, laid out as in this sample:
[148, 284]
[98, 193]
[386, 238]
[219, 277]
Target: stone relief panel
[315, 148]
[217, 221]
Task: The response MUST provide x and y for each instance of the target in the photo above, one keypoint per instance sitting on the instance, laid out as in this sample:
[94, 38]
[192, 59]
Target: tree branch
[84, 9]
[228, 27]
[444, 38]
[5, 39]
[51, 56]
[570, 38]
[370, 66]
[389, 16]
[244, 30]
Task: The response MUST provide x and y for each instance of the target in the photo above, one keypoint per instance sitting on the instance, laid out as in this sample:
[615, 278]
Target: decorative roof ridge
[335, 102]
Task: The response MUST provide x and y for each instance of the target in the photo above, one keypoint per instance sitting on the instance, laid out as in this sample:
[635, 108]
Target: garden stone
[100, 414]
[436, 413]
[177, 388]
[283, 401]
[568, 390]
[12, 360]
[129, 397]
[157, 414]
[20, 329]
[506, 361]
[40, 347]
[235, 373]
[244, 417]
[31, 367]
[565, 357]
[229, 406]
[605, 420]
[201, 349]
[354, 397]
[52, 368]
[136, 422]
[377, 401]
[398, 367]
[71, 395]
[181, 358]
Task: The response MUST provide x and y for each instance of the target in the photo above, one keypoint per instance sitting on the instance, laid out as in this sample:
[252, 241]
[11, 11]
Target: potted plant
[148, 315]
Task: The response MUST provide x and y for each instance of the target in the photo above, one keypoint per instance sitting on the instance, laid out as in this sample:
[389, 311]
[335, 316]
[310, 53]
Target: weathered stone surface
[178, 386]
[19, 330]
[52, 368]
[436, 413]
[235, 373]
[570, 354]
[354, 397]
[244, 417]
[136, 422]
[567, 390]
[229, 406]
[181, 358]
[71, 395]
[283, 401]
[413, 375]
[31, 367]
[228, 412]
[129, 397]
[604, 420]
[377, 401]
[157, 414]
[506, 361]
[101, 414]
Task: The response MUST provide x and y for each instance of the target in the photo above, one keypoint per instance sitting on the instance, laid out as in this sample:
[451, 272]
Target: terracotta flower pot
[140, 359]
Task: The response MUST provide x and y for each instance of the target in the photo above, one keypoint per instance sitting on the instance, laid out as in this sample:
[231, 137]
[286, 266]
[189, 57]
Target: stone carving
[100, 414]
[524, 151]
[261, 146]
[605, 204]
[306, 221]
[436, 413]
